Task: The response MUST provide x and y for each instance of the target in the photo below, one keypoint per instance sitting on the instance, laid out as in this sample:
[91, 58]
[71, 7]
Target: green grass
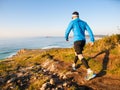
[95, 65]
[36, 85]
[4, 68]
[105, 43]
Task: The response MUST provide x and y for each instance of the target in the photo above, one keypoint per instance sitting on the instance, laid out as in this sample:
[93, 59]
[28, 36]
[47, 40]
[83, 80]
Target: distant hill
[97, 36]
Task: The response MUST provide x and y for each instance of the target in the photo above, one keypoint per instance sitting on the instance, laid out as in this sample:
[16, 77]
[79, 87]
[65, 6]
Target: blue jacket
[78, 27]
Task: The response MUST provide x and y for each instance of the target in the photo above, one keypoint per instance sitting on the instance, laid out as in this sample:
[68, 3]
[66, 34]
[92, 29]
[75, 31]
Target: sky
[34, 18]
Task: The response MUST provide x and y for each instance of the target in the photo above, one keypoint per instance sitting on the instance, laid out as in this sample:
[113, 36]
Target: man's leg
[78, 46]
[84, 62]
[90, 74]
[76, 58]
[75, 61]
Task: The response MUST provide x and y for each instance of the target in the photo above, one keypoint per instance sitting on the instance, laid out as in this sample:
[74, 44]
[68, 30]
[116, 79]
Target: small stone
[34, 78]
[60, 87]
[11, 80]
[12, 87]
[18, 81]
[64, 77]
[19, 74]
[44, 70]
[55, 74]
[28, 68]
[61, 75]
[69, 73]
[44, 86]
[52, 82]
[65, 84]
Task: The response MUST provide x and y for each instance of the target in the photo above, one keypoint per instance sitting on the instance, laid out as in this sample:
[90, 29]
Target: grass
[4, 68]
[67, 54]
[95, 65]
[37, 83]
[31, 57]
[105, 43]
[115, 51]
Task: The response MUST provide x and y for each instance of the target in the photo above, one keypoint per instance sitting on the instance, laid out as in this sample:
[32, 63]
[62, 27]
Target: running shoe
[73, 67]
[90, 76]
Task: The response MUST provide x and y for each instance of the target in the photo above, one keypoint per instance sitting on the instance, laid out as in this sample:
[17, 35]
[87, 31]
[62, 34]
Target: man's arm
[70, 26]
[90, 33]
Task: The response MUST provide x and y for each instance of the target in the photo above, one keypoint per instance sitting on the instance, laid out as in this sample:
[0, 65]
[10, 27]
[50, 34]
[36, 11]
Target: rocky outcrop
[22, 51]
[50, 68]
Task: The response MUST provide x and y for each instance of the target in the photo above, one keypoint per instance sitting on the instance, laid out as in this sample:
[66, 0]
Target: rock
[19, 74]
[44, 70]
[44, 86]
[59, 87]
[12, 87]
[52, 81]
[34, 78]
[25, 70]
[64, 77]
[47, 63]
[11, 80]
[21, 51]
[54, 74]
[65, 84]
[69, 73]
[29, 68]
[61, 75]
[50, 65]
[53, 67]
[18, 81]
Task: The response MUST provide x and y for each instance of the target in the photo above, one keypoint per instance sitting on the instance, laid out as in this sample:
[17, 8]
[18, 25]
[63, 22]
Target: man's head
[75, 15]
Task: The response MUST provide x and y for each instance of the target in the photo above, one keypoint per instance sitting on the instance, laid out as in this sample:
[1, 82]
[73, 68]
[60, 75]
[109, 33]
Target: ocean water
[9, 47]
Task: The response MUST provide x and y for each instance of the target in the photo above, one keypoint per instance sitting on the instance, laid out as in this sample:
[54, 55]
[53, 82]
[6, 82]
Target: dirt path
[101, 82]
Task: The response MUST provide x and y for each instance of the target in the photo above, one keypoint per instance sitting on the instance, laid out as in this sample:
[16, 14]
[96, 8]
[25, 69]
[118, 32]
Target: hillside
[50, 69]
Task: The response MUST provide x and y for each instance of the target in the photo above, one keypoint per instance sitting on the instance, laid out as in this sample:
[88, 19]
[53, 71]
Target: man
[78, 27]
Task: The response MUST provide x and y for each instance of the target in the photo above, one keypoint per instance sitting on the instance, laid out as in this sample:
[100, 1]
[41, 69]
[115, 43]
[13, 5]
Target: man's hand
[91, 43]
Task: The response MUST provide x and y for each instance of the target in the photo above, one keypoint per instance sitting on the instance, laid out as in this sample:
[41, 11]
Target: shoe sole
[93, 76]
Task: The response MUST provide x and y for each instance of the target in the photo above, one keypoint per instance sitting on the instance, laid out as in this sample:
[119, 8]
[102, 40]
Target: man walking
[78, 27]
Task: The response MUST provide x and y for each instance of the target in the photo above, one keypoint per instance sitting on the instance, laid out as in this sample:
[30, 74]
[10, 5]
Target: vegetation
[103, 57]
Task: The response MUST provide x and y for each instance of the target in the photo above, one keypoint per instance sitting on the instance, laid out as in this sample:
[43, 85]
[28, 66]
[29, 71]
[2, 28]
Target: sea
[10, 46]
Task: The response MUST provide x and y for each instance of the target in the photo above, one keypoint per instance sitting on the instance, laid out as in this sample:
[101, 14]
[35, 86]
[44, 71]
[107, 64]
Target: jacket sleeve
[69, 28]
[90, 33]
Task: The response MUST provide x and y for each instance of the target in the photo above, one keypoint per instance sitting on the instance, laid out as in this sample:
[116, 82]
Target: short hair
[75, 13]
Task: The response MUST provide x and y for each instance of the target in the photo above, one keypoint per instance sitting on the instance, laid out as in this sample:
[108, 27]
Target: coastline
[60, 43]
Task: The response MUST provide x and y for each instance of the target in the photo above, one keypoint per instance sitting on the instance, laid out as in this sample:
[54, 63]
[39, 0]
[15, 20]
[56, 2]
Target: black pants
[78, 46]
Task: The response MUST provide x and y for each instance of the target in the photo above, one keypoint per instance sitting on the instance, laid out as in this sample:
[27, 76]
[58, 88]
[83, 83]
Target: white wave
[49, 47]
[12, 54]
